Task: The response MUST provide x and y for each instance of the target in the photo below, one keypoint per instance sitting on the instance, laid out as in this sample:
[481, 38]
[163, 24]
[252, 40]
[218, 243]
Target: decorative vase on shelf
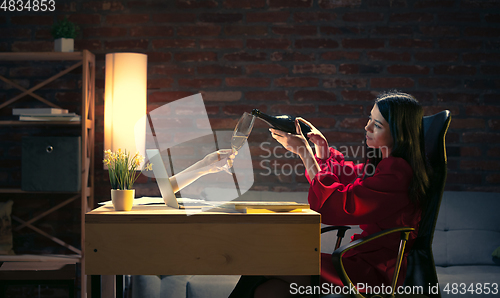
[122, 199]
[64, 45]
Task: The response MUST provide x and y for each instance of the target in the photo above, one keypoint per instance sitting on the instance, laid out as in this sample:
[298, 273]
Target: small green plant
[64, 29]
[123, 168]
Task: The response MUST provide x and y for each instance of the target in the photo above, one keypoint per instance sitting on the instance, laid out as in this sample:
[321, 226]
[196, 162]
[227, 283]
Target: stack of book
[45, 114]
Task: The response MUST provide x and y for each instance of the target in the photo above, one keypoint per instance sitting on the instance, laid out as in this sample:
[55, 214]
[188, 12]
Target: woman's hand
[215, 161]
[318, 139]
[299, 145]
[295, 143]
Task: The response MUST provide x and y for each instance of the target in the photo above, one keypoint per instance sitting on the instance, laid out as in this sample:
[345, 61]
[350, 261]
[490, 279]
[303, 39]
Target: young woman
[386, 191]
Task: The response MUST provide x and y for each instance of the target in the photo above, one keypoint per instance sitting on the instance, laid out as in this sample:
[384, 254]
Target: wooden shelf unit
[39, 123]
[86, 60]
[18, 190]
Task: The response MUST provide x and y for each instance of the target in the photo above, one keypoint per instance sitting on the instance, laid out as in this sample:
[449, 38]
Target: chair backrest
[421, 270]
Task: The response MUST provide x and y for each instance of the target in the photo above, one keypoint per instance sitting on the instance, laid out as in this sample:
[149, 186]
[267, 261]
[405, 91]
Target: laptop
[164, 185]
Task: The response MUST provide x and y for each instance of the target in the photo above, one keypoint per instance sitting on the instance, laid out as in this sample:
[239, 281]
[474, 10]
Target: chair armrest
[340, 233]
[338, 253]
[344, 248]
[332, 228]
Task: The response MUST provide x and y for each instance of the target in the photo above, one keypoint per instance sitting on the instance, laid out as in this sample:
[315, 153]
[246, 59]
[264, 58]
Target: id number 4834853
[28, 5]
[472, 288]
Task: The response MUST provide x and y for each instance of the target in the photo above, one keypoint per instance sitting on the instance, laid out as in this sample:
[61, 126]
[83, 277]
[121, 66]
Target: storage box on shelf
[40, 267]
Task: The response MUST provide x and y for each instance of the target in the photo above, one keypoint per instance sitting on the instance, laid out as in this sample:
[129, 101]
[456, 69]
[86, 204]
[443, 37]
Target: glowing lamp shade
[125, 102]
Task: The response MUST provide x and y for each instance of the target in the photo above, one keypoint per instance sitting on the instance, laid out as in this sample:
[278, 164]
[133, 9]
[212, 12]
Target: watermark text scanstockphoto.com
[448, 288]
[271, 166]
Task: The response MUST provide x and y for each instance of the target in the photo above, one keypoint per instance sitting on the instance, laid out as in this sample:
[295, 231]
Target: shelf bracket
[30, 91]
[55, 239]
[46, 212]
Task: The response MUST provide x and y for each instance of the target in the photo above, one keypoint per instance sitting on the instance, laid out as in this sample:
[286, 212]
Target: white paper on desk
[155, 200]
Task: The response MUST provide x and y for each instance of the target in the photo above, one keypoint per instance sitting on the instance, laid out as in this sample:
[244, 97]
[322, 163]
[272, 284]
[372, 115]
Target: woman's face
[378, 133]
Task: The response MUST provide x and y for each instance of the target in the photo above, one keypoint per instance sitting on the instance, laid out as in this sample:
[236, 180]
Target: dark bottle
[284, 123]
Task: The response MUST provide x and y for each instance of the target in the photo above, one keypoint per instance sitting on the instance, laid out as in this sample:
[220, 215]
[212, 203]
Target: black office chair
[421, 270]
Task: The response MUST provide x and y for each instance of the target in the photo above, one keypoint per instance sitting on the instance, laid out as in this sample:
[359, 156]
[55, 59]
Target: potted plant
[64, 33]
[123, 172]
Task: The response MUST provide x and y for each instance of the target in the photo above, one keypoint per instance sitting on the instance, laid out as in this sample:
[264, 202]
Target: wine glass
[240, 135]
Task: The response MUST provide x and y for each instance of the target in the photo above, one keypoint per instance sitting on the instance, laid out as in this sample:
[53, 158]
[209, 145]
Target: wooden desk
[158, 240]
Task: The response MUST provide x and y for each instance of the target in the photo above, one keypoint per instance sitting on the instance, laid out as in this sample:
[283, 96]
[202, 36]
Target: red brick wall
[324, 60]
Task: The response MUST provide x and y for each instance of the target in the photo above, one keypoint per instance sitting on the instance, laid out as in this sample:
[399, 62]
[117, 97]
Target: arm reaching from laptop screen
[212, 163]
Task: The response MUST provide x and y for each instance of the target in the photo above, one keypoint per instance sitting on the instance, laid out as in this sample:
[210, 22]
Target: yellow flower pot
[122, 199]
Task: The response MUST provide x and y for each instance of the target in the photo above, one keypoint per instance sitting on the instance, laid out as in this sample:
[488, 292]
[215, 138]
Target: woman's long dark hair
[404, 115]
